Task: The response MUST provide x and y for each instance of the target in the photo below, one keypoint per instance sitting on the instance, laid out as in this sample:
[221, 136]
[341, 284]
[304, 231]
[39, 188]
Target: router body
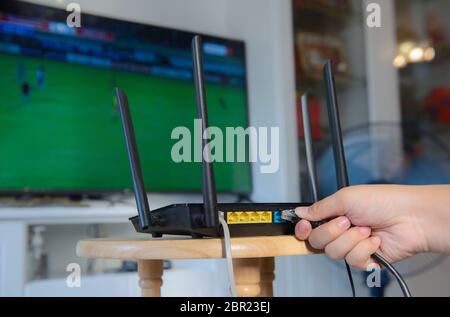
[243, 220]
[199, 220]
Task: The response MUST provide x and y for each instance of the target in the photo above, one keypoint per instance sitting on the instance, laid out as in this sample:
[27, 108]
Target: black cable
[350, 278]
[391, 268]
[311, 166]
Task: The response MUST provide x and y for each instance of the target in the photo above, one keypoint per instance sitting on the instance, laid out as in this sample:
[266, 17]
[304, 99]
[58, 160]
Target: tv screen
[60, 130]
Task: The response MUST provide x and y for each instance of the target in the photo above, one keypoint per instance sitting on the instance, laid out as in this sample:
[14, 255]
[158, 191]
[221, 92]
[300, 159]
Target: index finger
[330, 207]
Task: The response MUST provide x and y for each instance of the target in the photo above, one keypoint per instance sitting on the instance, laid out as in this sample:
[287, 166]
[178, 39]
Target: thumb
[330, 207]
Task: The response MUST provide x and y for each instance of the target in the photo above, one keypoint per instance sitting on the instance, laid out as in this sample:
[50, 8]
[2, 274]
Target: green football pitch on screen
[66, 135]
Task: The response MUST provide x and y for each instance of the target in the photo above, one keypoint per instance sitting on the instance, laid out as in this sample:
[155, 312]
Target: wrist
[424, 231]
[432, 218]
[438, 234]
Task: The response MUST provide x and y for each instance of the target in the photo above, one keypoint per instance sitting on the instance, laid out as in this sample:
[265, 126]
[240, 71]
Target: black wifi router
[199, 220]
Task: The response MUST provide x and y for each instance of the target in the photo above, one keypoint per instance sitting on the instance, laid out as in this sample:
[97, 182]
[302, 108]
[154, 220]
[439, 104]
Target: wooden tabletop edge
[142, 249]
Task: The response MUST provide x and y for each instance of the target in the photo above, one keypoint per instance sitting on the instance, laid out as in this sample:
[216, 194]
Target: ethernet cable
[228, 255]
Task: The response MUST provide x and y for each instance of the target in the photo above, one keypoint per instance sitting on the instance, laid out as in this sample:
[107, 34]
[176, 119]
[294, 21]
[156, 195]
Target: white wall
[381, 48]
[13, 246]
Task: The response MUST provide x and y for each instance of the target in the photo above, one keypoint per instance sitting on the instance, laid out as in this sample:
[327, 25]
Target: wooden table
[253, 258]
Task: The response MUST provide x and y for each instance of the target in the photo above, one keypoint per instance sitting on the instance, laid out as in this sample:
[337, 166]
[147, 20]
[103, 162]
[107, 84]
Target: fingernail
[364, 231]
[343, 222]
[302, 212]
[302, 228]
[376, 240]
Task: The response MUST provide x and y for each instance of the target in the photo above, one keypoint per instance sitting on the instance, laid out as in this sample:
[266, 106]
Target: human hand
[387, 219]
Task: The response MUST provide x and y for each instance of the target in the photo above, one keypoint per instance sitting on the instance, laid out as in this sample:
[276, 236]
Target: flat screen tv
[60, 130]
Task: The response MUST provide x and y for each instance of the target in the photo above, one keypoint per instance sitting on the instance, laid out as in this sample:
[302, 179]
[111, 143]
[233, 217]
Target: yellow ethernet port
[254, 217]
[244, 217]
[265, 217]
[249, 217]
[232, 218]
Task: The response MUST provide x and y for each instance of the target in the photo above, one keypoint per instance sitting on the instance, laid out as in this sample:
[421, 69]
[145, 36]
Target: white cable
[228, 255]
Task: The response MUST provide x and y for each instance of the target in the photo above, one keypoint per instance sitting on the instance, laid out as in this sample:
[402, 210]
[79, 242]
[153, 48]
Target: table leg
[267, 276]
[150, 277]
[248, 276]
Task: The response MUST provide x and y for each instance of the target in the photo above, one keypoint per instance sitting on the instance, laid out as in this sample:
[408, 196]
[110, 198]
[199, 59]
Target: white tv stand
[14, 224]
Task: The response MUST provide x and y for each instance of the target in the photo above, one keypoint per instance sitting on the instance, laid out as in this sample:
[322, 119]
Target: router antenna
[335, 127]
[208, 180]
[311, 165]
[336, 140]
[341, 166]
[133, 157]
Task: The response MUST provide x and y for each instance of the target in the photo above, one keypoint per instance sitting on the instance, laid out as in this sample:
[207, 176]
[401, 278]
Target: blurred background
[64, 173]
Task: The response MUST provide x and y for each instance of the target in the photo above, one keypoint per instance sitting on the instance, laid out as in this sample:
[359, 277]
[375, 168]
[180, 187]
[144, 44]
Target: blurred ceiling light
[414, 52]
[406, 47]
[416, 55]
[400, 61]
[429, 54]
